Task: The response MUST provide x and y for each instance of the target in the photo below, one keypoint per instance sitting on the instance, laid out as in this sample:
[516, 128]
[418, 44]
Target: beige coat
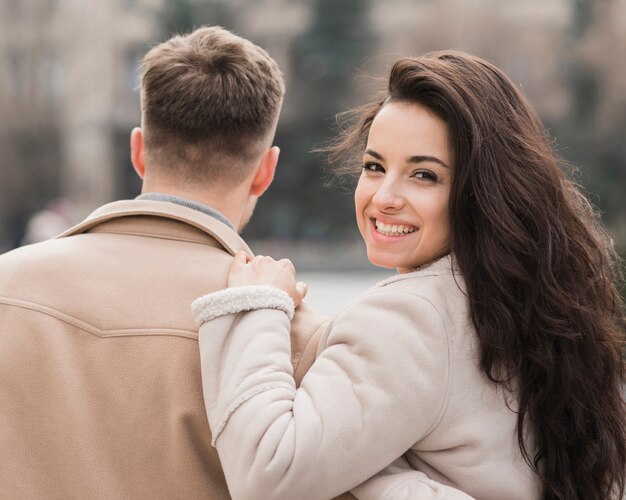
[397, 372]
[100, 389]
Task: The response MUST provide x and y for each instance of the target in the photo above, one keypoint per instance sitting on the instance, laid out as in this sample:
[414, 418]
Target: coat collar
[444, 265]
[227, 238]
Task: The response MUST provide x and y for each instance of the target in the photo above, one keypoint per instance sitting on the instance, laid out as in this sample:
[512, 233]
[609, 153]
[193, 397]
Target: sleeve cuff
[241, 298]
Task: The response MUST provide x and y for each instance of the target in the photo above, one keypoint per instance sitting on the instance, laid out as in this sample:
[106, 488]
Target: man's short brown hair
[210, 100]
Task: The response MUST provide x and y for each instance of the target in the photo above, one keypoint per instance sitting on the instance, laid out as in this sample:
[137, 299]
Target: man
[100, 388]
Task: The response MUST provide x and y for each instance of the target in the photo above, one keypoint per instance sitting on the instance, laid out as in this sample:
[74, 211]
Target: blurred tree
[324, 63]
[182, 16]
[30, 172]
[594, 137]
[582, 17]
[581, 77]
[30, 163]
[177, 16]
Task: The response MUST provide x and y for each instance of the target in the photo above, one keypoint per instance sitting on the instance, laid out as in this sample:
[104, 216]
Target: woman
[492, 361]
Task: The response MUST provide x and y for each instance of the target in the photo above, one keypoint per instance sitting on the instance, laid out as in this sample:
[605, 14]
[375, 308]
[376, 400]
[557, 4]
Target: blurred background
[69, 98]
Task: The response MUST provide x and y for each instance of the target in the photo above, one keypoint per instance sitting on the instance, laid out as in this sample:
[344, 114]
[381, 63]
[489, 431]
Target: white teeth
[394, 229]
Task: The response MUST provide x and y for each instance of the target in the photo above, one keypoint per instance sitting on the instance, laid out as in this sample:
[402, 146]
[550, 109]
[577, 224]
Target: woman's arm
[307, 327]
[400, 481]
[379, 385]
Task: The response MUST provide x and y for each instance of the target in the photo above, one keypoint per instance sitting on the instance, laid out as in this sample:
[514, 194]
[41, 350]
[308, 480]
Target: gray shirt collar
[179, 200]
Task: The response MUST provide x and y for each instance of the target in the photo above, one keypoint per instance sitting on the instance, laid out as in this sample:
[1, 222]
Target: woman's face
[402, 195]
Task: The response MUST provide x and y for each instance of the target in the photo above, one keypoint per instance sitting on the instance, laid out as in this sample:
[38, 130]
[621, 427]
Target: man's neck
[226, 203]
[186, 202]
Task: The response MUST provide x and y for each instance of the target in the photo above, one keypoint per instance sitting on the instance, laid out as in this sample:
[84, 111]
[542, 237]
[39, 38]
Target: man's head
[210, 101]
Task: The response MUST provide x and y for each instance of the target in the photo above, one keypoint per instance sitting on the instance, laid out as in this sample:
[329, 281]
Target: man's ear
[265, 171]
[137, 152]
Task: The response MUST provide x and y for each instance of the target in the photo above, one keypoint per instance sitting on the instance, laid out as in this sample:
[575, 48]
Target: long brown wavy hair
[540, 269]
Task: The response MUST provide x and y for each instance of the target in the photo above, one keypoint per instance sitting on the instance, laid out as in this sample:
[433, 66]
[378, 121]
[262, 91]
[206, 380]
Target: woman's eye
[373, 167]
[426, 175]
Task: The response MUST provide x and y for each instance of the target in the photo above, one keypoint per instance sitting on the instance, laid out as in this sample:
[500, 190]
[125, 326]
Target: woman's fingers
[240, 260]
[240, 271]
[288, 265]
[301, 288]
[263, 270]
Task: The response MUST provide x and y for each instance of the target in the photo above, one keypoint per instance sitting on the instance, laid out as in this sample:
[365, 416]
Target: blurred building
[69, 88]
[525, 38]
[272, 24]
[603, 47]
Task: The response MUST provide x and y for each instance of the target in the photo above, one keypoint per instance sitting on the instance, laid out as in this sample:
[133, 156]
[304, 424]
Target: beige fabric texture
[397, 374]
[100, 385]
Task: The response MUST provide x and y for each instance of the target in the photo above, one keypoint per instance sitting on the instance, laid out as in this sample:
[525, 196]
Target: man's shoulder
[122, 272]
[29, 255]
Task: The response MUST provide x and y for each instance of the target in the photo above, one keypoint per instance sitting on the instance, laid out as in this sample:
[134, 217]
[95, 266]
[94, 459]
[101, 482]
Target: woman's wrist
[241, 298]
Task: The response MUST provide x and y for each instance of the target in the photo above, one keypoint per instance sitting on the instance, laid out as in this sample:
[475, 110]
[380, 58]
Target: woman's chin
[385, 263]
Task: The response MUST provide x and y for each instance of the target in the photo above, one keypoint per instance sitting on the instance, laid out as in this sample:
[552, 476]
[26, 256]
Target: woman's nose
[388, 196]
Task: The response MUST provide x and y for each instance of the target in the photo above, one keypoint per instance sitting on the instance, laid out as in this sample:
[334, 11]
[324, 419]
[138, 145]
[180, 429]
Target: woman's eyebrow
[423, 158]
[373, 153]
[411, 159]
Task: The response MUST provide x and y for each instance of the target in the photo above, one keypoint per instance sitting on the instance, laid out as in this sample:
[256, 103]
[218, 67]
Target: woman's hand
[262, 270]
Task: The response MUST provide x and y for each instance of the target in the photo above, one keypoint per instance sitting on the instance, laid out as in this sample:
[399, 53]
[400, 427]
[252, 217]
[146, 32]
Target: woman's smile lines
[393, 229]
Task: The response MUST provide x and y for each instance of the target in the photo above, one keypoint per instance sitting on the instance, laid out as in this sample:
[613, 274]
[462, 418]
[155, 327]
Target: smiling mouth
[393, 229]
